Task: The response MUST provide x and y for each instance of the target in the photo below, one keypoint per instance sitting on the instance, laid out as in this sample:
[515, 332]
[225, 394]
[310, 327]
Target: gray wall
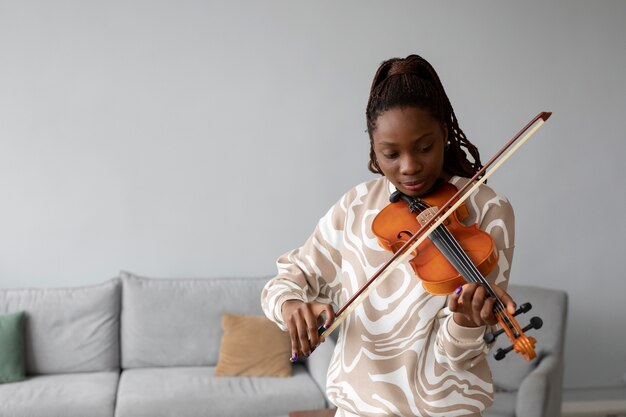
[198, 138]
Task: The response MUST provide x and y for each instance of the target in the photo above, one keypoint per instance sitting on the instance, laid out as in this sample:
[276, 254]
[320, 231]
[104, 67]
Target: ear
[446, 140]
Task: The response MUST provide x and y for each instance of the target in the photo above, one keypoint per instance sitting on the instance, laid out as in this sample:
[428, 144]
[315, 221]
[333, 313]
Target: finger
[465, 299]
[293, 336]
[330, 317]
[289, 311]
[478, 302]
[505, 298]
[302, 333]
[311, 328]
[487, 313]
[453, 300]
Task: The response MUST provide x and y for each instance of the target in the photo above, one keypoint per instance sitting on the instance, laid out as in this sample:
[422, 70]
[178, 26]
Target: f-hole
[405, 232]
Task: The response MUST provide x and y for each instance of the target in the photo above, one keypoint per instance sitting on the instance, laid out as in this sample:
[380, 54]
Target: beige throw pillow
[253, 346]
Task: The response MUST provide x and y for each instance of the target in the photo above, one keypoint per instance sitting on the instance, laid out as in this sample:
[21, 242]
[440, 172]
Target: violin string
[500, 309]
[453, 249]
[455, 254]
[450, 253]
[437, 234]
[456, 249]
[477, 277]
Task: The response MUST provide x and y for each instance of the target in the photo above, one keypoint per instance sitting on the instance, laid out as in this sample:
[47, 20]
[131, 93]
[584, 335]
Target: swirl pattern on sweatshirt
[399, 353]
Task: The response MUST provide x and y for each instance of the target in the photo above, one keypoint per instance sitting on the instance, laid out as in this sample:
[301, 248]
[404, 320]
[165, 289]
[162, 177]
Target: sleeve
[460, 347]
[311, 272]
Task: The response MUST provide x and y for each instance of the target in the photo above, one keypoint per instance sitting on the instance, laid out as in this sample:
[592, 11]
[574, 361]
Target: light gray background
[203, 139]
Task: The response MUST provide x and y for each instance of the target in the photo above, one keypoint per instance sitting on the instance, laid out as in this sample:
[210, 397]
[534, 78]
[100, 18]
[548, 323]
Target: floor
[607, 402]
[602, 408]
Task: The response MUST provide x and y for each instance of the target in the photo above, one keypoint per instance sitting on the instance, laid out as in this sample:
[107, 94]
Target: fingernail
[326, 326]
[294, 357]
[458, 290]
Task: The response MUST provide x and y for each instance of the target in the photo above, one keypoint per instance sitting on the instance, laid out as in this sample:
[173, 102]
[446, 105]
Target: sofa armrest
[317, 365]
[539, 394]
[539, 391]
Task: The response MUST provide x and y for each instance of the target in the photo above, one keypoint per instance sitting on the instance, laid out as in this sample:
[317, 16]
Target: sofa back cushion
[177, 322]
[68, 329]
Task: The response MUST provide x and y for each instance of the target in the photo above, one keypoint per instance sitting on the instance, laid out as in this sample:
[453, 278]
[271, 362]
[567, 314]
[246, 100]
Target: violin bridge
[424, 216]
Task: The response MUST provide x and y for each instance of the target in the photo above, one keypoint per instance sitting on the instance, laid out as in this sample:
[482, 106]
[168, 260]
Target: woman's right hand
[302, 320]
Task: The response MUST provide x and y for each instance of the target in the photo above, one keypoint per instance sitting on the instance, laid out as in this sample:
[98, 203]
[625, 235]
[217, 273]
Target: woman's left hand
[473, 307]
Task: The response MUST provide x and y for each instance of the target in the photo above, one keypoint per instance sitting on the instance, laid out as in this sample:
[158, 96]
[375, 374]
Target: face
[409, 146]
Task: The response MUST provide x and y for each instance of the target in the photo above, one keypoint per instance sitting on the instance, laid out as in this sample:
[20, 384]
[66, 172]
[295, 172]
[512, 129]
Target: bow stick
[429, 226]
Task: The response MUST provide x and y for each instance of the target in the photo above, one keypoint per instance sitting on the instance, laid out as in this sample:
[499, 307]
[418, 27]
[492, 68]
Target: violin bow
[437, 219]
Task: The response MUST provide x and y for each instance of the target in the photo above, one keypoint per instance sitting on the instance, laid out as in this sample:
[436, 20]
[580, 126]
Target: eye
[390, 155]
[425, 149]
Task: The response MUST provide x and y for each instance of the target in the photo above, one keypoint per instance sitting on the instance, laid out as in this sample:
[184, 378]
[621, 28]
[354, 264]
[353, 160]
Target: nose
[410, 165]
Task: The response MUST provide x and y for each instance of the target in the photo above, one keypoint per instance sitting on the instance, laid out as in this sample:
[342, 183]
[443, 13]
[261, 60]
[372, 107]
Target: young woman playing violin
[403, 351]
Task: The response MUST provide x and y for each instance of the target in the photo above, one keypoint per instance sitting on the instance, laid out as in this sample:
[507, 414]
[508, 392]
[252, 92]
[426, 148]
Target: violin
[429, 224]
[453, 254]
[440, 275]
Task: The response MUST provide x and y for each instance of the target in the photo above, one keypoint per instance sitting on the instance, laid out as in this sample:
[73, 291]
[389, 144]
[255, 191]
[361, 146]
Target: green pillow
[12, 364]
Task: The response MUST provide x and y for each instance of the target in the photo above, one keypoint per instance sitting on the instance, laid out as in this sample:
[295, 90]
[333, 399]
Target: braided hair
[413, 82]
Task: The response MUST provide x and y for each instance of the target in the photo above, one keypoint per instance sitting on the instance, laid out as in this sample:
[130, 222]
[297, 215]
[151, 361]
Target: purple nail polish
[294, 357]
[458, 290]
[326, 326]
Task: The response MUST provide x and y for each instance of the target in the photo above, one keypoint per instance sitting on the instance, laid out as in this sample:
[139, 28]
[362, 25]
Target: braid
[413, 82]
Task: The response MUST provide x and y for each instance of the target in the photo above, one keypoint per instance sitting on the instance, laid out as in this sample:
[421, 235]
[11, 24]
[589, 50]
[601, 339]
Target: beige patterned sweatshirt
[398, 353]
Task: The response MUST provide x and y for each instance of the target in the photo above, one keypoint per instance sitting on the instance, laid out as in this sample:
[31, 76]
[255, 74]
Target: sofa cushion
[197, 392]
[177, 322]
[68, 329]
[63, 395]
[12, 367]
[253, 346]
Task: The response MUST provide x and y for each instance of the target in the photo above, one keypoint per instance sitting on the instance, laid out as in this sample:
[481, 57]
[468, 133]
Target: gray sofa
[134, 347]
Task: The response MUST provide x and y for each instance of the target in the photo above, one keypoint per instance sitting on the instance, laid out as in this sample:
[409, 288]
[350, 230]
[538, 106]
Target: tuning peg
[535, 323]
[501, 353]
[491, 337]
[524, 308]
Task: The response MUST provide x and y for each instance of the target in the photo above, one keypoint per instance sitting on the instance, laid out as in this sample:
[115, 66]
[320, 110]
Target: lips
[412, 183]
[415, 185]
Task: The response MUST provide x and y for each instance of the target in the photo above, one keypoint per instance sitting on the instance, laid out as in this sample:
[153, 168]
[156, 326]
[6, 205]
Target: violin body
[395, 224]
[452, 255]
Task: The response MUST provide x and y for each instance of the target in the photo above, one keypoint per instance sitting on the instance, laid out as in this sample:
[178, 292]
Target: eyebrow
[385, 143]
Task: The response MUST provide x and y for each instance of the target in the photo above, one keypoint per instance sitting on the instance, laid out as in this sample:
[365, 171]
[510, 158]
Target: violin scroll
[522, 344]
